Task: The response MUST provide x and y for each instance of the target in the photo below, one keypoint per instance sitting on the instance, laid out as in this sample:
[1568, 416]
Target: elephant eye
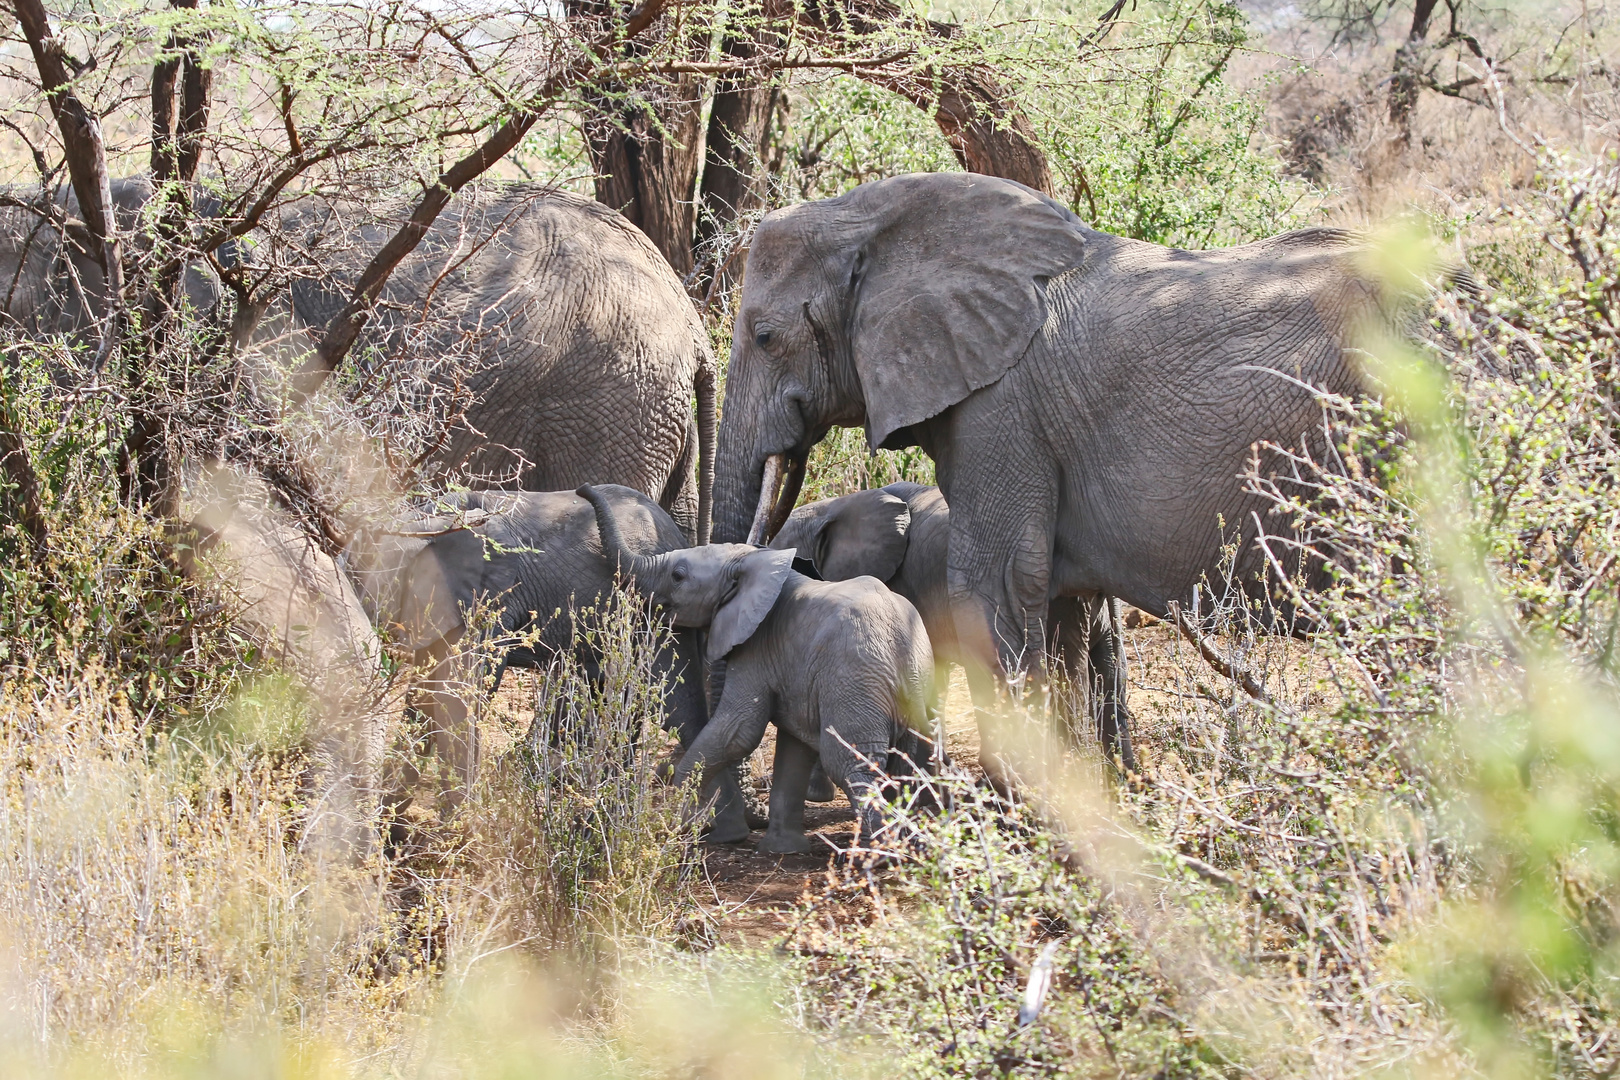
[763, 338]
[679, 573]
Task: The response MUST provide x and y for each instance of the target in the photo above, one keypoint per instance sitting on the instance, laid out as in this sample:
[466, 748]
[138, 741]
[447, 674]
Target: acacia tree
[686, 186]
[1416, 65]
[353, 101]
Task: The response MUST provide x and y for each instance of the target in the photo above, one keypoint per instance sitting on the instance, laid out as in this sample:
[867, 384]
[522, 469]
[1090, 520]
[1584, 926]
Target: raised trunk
[612, 540]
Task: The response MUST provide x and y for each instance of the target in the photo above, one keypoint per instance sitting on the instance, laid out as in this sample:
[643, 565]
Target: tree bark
[646, 156]
[146, 473]
[1405, 83]
[23, 482]
[985, 129]
[732, 184]
[86, 156]
[645, 145]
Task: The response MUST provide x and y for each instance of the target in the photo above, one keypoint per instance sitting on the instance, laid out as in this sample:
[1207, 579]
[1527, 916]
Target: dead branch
[86, 159]
[1228, 668]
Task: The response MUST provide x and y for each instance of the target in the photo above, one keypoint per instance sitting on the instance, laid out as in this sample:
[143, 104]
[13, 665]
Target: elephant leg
[733, 733]
[855, 749]
[790, 779]
[821, 788]
[451, 724]
[1069, 641]
[999, 570]
[1107, 656]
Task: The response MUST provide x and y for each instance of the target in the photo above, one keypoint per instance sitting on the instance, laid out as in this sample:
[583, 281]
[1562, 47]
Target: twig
[1230, 669]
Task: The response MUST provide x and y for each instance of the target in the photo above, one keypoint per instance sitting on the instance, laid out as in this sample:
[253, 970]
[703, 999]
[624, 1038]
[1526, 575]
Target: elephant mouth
[780, 482]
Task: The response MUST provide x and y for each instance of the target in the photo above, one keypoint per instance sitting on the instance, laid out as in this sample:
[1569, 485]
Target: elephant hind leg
[855, 751]
[680, 494]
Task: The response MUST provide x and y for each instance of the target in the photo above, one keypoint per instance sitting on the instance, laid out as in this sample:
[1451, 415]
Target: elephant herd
[1090, 404]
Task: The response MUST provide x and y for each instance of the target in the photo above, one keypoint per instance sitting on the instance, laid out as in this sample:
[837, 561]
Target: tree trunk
[733, 185]
[1405, 83]
[146, 473]
[23, 485]
[646, 155]
[985, 129]
[86, 161]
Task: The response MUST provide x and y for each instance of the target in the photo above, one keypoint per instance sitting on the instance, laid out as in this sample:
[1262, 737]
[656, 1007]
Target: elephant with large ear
[538, 559]
[1090, 402]
[587, 352]
[843, 669]
[900, 535]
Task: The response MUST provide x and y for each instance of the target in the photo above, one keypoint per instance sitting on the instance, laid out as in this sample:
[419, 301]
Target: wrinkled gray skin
[592, 352]
[46, 289]
[538, 556]
[1089, 401]
[900, 535]
[589, 352]
[843, 669]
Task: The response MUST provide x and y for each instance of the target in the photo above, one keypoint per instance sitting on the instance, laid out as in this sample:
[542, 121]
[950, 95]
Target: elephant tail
[705, 386]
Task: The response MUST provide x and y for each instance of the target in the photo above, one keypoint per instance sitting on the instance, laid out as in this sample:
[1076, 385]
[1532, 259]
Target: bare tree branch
[86, 159]
[343, 330]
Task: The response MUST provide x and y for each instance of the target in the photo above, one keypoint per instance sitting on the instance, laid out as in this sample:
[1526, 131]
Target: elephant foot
[785, 842]
[821, 788]
[727, 830]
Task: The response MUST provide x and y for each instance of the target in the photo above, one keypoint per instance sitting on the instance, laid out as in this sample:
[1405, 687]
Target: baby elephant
[900, 535]
[843, 668]
[536, 555]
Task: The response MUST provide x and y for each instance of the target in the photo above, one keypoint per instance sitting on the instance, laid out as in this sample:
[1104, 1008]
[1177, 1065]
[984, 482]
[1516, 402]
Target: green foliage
[1146, 135]
[105, 592]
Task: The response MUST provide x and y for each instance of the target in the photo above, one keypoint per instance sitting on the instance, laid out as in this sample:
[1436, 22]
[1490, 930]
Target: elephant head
[865, 533]
[884, 307]
[728, 588]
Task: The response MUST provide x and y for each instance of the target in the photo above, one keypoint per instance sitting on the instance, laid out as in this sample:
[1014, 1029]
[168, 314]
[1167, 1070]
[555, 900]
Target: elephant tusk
[769, 481]
[787, 500]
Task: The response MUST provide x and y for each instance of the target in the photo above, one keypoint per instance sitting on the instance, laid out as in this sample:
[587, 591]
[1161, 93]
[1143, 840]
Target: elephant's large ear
[949, 290]
[865, 534]
[762, 575]
[436, 584]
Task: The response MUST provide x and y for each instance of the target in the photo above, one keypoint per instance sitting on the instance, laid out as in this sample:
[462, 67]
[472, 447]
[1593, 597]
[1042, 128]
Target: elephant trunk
[737, 469]
[613, 546]
[705, 388]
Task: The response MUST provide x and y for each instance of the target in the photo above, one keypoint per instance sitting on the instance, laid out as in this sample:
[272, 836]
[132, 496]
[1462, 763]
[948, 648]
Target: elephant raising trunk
[655, 576]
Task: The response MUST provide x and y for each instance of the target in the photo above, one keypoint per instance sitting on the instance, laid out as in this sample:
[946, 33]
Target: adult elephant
[1089, 401]
[586, 351]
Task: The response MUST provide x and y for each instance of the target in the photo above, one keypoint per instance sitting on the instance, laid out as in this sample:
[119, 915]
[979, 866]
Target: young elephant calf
[842, 668]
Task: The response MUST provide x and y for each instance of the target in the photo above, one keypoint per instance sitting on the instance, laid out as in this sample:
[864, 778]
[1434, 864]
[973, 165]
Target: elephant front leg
[790, 781]
[998, 590]
[729, 737]
[453, 728]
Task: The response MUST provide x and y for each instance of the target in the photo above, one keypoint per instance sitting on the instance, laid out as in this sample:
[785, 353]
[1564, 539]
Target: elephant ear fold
[761, 577]
[437, 583]
[866, 534]
[950, 289]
